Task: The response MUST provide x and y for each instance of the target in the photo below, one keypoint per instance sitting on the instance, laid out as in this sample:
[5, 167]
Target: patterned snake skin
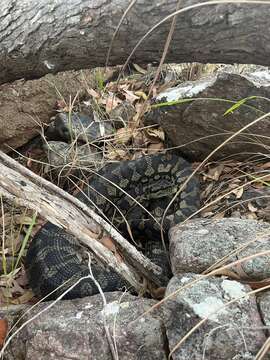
[54, 257]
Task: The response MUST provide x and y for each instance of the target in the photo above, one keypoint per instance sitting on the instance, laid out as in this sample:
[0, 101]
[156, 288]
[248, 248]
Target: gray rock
[232, 332]
[264, 305]
[75, 330]
[198, 244]
[199, 126]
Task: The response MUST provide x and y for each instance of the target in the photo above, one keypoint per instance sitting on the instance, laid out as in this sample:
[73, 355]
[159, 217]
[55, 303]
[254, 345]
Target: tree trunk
[40, 36]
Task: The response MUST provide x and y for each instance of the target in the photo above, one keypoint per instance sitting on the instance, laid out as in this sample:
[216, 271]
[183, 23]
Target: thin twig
[106, 327]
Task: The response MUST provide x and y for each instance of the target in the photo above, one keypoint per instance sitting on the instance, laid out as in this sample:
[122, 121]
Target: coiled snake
[152, 181]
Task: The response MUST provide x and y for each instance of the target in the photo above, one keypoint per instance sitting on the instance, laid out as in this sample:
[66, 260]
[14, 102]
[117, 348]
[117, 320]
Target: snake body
[133, 191]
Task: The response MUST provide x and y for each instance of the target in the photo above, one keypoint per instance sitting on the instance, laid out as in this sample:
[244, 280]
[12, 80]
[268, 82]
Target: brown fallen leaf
[130, 96]
[93, 93]
[111, 102]
[116, 154]
[139, 139]
[238, 192]
[3, 331]
[252, 208]
[252, 216]
[229, 273]
[219, 215]
[214, 173]
[141, 94]
[206, 214]
[123, 135]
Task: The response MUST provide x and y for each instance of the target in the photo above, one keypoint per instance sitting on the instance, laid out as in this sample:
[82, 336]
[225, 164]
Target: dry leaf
[16, 288]
[206, 214]
[93, 93]
[116, 154]
[111, 102]
[219, 215]
[3, 331]
[123, 135]
[141, 94]
[7, 293]
[23, 220]
[214, 173]
[252, 208]
[258, 185]
[238, 192]
[130, 96]
[227, 272]
[252, 216]
[139, 139]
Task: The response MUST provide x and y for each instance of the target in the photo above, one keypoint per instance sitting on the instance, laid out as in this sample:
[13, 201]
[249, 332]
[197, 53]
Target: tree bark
[40, 36]
[64, 210]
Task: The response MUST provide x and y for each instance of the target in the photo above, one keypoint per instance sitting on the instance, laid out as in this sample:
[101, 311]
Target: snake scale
[152, 180]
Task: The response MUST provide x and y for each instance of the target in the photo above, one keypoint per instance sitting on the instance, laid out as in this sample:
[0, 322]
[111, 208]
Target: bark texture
[40, 36]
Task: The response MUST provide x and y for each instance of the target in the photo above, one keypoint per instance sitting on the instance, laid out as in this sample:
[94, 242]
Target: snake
[134, 192]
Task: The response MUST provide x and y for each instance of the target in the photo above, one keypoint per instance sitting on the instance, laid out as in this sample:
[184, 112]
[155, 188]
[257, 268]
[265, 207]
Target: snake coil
[152, 181]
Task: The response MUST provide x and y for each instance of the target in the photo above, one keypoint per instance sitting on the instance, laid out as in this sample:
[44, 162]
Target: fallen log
[39, 36]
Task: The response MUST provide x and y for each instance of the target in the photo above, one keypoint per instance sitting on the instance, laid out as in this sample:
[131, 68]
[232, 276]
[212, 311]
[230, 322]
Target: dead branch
[28, 189]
